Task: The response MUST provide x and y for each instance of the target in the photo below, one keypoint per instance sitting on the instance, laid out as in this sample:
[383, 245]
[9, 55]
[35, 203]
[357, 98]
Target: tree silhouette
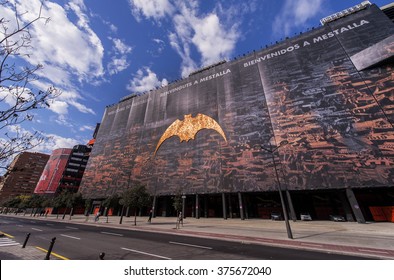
[136, 197]
[17, 99]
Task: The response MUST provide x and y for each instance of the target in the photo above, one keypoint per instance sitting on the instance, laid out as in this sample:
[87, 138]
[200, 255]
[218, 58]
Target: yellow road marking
[54, 254]
[8, 235]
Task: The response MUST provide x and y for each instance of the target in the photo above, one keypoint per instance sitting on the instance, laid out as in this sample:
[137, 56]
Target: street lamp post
[282, 201]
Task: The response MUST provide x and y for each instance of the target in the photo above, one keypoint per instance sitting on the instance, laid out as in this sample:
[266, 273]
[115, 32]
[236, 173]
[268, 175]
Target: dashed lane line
[111, 233]
[145, 253]
[71, 227]
[70, 236]
[190, 245]
[36, 229]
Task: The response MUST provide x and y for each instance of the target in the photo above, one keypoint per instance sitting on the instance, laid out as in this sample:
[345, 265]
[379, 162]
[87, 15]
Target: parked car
[305, 217]
[275, 216]
[337, 218]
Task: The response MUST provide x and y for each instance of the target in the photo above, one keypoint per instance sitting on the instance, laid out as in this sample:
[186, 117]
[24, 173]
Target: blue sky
[98, 51]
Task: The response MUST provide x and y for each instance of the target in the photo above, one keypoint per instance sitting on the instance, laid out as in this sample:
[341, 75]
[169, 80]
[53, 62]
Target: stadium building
[311, 117]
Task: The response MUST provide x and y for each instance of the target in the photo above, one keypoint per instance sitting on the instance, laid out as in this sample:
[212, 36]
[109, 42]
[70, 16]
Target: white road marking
[5, 241]
[8, 244]
[190, 245]
[19, 225]
[37, 229]
[145, 253]
[69, 236]
[72, 227]
[111, 233]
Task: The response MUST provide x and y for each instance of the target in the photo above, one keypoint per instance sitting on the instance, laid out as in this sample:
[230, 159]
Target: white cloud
[155, 9]
[213, 40]
[117, 65]
[59, 107]
[61, 103]
[119, 61]
[111, 26]
[213, 36]
[52, 141]
[120, 46]
[188, 65]
[142, 82]
[87, 127]
[295, 14]
[82, 108]
[58, 45]
[63, 121]
[56, 142]
[160, 47]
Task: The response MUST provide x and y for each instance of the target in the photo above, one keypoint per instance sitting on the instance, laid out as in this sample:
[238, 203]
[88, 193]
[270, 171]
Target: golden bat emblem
[188, 128]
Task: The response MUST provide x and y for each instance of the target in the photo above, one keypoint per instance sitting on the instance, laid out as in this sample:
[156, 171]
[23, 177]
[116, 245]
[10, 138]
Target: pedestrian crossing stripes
[5, 242]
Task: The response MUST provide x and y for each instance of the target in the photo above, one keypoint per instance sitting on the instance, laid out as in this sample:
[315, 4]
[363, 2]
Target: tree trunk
[121, 215]
[135, 217]
[71, 212]
[64, 214]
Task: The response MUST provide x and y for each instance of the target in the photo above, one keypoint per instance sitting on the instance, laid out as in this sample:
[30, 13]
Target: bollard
[102, 255]
[27, 238]
[50, 248]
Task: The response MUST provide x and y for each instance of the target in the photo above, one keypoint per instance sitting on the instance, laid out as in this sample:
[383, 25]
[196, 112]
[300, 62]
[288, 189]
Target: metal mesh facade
[327, 93]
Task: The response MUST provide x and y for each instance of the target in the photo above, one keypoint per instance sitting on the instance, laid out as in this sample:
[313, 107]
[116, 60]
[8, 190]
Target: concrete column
[346, 207]
[205, 206]
[354, 205]
[241, 206]
[197, 207]
[246, 206]
[230, 207]
[183, 206]
[291, 207]
[224, 206]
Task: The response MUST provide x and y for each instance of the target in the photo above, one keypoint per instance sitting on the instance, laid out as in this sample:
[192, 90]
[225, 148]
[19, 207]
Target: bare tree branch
[17, 95]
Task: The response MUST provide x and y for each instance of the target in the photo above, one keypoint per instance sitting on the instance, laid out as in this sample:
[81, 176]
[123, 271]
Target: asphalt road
[86, 242]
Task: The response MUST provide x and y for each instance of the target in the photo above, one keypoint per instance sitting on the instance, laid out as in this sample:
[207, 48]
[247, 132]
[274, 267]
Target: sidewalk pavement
[375, 240]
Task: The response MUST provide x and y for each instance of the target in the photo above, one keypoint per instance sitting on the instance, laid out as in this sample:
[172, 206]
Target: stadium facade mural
[322, 102]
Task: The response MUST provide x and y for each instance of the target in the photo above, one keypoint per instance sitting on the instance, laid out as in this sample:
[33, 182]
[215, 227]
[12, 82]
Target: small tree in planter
[177, 204]
[136, 197]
